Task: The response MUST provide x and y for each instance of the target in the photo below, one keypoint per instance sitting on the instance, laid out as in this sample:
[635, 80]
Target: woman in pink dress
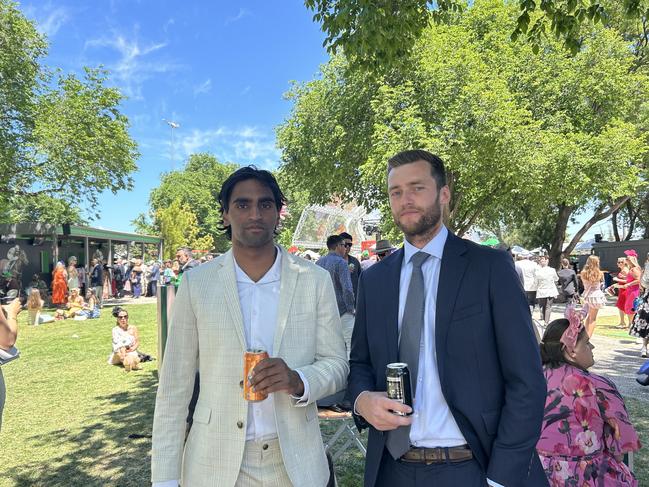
[586, 429]
[632, 285]
[620, 280]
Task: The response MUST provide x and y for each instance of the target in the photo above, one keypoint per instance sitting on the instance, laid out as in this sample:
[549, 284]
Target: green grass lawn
[69, 414]
[607, 326]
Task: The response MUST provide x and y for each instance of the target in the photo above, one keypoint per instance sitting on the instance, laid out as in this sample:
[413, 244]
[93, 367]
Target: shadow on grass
[103, 453]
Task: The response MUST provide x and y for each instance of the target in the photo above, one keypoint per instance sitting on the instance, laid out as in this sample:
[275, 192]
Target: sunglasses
[123, 317]
[348, 245]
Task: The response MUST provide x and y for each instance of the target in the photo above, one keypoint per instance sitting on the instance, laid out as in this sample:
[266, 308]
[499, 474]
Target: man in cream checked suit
[254, 296]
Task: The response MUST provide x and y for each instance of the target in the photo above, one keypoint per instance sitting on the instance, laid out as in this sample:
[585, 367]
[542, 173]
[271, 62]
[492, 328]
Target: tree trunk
[633, 216]
[599, 215]
[559, 235]
[616, 232]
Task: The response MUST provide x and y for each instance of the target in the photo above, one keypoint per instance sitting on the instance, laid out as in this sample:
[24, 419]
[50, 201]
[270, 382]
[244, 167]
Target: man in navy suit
[479, 389]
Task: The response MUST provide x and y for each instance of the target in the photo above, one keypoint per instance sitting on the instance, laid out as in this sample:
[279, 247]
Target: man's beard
[426, 223]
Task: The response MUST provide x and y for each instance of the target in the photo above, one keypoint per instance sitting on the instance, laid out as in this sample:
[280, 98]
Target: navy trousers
[394, 473]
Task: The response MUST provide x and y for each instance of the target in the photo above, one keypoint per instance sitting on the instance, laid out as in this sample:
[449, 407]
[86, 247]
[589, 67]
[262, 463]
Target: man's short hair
[187, 251]
[242, 174]
[409, 156]
[333, 241]
[346, 236]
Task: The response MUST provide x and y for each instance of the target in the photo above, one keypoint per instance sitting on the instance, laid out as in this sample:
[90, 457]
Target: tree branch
[599, 215]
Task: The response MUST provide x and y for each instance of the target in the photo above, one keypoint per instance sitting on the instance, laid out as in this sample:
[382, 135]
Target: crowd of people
[543, 286]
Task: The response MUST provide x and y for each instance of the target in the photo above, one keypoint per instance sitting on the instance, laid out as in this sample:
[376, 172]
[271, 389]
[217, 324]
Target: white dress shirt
[433, 424]
[259, 302]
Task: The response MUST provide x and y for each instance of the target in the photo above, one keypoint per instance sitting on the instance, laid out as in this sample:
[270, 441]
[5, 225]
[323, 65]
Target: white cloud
[204, 87]
[131, 70]
[167, 25]
[53, 22]
[245, 145]
[243, 12]
[49, 19]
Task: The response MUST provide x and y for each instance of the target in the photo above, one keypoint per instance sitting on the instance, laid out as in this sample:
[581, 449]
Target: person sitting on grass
[34, 306]
[125, 342]
[91, 307]
[586, 428]
[74, 305]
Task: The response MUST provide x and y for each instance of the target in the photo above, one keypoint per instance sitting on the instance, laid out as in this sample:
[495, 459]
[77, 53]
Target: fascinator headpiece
[569, 337]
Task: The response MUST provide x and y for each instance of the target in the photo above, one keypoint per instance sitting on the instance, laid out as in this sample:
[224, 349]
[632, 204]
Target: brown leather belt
[437, 455]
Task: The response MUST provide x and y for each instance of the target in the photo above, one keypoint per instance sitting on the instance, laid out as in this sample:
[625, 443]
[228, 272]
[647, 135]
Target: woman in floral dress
[640, 324]
[586, 429]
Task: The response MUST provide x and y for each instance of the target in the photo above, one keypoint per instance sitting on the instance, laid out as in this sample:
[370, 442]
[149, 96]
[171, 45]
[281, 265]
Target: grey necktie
[398, 441]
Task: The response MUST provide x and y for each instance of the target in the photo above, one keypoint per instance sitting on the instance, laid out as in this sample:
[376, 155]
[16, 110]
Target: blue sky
[217, 68]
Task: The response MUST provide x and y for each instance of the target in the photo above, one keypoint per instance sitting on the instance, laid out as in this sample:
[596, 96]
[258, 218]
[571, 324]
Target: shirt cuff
[357, 397]
[491, 483]
[166, 483]
[305, 397]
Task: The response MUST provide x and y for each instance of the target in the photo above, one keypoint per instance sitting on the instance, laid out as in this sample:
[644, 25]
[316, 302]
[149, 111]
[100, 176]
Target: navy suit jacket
[487, 357]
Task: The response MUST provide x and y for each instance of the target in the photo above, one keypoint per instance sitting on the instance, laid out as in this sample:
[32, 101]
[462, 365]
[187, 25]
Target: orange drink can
[250, 360]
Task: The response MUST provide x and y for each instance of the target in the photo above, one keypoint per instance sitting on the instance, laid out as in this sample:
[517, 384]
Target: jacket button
[241, 384]
[239, 424]
[265, 446]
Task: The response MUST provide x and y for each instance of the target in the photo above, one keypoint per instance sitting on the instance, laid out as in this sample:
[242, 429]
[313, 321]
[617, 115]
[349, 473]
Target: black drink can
[398, 382]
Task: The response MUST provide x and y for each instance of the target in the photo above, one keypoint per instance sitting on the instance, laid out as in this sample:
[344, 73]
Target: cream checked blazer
[206, 334]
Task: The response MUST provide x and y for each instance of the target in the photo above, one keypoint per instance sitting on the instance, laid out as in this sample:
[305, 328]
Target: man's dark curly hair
[243, 174]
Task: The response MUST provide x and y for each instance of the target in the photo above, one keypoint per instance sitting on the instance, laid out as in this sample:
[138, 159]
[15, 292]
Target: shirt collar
[274, 273]
[435, 247]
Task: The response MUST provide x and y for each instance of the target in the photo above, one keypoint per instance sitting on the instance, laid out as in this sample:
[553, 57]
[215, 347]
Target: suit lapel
[287, 288]
[450, 277]
[228, 278]
[391, 290]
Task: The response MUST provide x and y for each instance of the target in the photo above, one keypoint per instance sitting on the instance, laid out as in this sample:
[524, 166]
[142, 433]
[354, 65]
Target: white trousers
[347, 321]
[263, 466]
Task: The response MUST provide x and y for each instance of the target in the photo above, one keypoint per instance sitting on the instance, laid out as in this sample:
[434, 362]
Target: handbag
[637, 302]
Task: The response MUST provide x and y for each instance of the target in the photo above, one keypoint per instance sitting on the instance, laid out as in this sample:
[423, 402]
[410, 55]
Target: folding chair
[346, 429]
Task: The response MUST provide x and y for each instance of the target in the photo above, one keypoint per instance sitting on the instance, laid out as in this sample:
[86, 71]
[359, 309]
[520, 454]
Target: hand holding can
[398, 385]
[250, 360]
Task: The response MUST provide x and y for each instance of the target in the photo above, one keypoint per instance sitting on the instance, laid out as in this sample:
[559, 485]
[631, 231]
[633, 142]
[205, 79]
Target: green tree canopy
[61, 137]
[524, 135]
[378, 34]
[178, 227]
[196, 186]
